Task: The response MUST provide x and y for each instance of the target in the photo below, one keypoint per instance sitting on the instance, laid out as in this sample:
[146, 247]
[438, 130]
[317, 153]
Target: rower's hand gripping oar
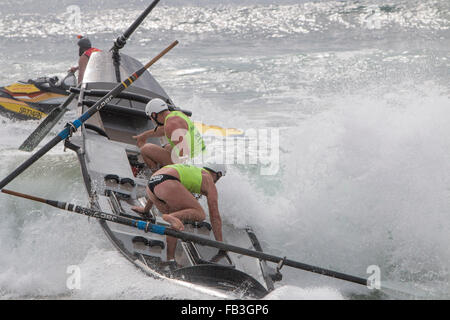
[73, 126]
[46, 125]
[150, 227]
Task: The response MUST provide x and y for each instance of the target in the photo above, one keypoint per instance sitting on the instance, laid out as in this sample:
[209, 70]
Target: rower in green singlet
[183, 137]
[170, 190]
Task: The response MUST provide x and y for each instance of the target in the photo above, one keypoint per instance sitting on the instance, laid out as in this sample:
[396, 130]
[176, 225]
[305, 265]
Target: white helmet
[217, 168]
[155, 105]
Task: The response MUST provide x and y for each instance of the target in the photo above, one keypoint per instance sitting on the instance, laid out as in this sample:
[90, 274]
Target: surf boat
[112, 111]
[115, 179]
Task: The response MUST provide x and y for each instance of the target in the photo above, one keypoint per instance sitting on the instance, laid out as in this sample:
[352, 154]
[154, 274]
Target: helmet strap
[218, 176]
[156, 120]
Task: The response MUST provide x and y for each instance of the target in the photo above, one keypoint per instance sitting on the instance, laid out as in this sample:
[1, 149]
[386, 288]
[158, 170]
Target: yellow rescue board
[205, 129]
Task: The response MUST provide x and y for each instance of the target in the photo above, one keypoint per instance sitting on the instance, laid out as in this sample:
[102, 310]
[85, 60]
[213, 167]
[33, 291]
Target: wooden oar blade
[216, 131]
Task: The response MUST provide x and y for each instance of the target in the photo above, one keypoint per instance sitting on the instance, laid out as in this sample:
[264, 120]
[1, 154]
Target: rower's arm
[159, 132]
[142, 138]
[82, 63]
[213, 207]
[148, 205]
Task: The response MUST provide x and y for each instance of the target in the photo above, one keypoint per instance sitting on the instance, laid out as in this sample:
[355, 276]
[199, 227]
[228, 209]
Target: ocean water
[356, 91]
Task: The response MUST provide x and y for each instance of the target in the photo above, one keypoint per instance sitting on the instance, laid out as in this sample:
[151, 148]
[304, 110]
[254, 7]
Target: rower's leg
[154, 155]
[182, 206]
[171, 241]
[148, 206]
[180, 201]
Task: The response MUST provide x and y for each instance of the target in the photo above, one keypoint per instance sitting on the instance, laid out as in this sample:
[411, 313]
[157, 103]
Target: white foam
[362, 184]
[106, 274]
[295, 293]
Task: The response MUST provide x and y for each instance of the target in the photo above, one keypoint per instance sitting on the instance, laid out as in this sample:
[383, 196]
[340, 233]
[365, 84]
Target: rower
[84, 52]
[183, 137]
[170, 190]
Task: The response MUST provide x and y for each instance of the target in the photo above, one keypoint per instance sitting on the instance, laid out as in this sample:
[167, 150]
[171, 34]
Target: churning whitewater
[357, 92]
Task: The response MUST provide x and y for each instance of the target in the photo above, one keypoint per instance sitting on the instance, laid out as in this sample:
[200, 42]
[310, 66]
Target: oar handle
[162, 53]
[23, 195]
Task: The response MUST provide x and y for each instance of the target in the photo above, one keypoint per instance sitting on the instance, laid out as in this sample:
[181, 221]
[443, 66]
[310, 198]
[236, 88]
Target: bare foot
[174, 222]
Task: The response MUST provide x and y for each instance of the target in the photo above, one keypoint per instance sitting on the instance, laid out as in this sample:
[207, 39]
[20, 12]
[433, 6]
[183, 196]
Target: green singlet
[194, 138]
[190, 176]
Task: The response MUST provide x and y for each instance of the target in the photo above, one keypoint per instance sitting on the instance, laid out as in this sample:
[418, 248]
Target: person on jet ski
[171, 190]
[185, 141]
[85, 51]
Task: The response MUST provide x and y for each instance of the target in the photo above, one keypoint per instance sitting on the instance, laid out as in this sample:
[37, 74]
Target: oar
[53, 117]
[72, 126]
[45, 126]
[150, 227]
[121, 41]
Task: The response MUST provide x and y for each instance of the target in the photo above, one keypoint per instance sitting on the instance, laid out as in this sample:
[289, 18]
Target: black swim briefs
[158, 179]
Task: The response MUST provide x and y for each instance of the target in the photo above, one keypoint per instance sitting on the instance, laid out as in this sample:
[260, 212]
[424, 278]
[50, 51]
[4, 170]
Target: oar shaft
[170, 47]
[261, 255]
[69, 100]
[149, 227]
[85, 116]
[139, 20]
[81, 210]
[23, 195]
[41, 131]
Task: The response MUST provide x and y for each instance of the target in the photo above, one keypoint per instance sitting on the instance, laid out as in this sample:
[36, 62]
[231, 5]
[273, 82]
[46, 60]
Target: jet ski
[35, 98]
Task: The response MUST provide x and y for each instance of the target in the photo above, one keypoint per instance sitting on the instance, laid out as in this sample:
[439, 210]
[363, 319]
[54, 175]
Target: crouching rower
[170, 190]
[183, 137]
